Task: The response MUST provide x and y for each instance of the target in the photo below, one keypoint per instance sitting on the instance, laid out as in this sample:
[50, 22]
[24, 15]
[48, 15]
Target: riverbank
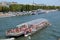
[34, 12]
[5, 15]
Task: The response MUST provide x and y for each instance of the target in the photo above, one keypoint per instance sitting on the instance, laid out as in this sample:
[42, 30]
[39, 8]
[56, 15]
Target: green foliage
[15, 7]
[21, 7]
[5, 9]
[0, 8]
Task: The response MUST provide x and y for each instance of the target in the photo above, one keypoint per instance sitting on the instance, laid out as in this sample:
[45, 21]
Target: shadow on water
[14, 36]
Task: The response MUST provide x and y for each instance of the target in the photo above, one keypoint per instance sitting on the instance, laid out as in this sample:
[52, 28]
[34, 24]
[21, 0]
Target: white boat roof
[36, 21]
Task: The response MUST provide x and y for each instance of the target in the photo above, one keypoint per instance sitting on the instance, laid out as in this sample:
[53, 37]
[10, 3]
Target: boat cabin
[28, 27]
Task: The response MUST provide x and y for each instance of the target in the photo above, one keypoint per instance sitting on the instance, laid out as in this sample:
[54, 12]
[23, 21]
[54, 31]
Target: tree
[15, 7]
[0, 8]
[5, 9]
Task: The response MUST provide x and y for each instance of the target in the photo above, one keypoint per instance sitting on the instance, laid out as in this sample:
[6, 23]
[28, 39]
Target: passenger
[9, 31]
[26, 31]
[12, 30]
[33, 26]
[24, 28]
[17, 29]
[30, 30]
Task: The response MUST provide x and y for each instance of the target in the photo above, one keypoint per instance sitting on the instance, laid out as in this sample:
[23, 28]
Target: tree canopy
[21, 7]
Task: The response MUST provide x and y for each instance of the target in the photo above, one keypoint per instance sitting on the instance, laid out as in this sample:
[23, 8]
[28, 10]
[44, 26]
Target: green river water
[50, 33]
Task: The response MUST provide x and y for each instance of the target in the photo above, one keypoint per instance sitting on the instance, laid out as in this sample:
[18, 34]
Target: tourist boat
[40, 11]
[28, 28]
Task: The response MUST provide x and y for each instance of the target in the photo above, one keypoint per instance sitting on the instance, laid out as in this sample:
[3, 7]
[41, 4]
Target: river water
[50, 33]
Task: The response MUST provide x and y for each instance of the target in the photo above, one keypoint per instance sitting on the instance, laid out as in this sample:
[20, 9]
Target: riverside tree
[0, 8]
[21, 7]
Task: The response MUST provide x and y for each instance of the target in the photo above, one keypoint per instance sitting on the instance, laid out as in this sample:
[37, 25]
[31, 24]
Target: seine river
[50, 33]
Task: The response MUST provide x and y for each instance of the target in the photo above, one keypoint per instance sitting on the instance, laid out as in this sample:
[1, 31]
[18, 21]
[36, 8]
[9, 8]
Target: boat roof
[36, 21]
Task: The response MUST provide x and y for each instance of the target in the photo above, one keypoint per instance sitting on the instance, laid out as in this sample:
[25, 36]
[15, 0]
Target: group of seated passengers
[16, 30]
[23, 28]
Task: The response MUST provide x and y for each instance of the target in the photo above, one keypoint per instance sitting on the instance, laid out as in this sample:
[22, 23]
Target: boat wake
[8, 39]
